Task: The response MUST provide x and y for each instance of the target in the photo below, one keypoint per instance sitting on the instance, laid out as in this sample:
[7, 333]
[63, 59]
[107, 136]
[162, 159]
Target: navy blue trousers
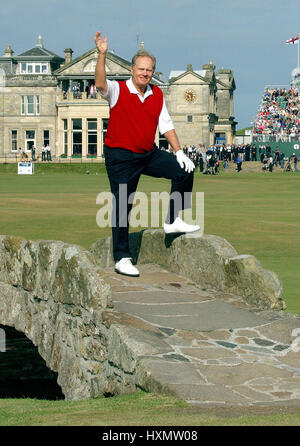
[126, 167]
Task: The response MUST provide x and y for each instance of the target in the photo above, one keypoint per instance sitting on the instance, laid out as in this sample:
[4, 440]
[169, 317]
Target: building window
[189, 118]
[14, 140]
[33, 68]
[65, 142]
[104, 129]
[30, 105]
[29, 139]
[90, 66]
[220, 138]
[77, 136]
[46, 137]
[92, 136]
[37, 105]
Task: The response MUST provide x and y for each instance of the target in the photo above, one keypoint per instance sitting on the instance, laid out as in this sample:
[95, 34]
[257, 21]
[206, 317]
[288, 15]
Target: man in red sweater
[137, 108]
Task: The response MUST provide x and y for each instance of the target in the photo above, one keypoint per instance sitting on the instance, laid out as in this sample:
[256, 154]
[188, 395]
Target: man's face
[142, 72]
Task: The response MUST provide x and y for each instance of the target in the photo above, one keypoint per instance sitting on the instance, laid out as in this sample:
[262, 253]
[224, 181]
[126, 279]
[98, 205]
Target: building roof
[38, 52]
[110, 55]
[176, 73]
[125, 64]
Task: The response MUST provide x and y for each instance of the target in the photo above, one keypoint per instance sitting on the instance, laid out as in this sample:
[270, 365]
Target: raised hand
[101, 44]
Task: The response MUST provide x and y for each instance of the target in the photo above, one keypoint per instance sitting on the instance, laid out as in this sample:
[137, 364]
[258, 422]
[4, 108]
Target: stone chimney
[68, 55]
[209, 66]
[225, 71]
[160, 75]
[40, 42]
[225, 75]
[8, 51]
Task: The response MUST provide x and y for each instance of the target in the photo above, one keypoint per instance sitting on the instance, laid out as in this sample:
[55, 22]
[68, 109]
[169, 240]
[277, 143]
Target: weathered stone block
[259, 287]
[208, 260]
[55, 294]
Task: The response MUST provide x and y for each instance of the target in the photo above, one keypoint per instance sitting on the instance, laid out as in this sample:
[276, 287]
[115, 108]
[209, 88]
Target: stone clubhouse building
[48, 99]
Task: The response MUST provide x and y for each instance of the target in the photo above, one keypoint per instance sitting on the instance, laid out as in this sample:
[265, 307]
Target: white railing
[15, 158]
[257, 137]
[81, 95]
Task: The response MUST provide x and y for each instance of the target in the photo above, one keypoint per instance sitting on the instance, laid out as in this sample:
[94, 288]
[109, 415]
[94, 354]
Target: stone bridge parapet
[54, 293]
[58, 296]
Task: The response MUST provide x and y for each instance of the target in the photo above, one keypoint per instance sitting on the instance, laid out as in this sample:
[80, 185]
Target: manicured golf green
[257, 212]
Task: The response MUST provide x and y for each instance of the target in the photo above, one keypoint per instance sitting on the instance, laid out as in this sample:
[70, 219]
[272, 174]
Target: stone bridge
[193, 305]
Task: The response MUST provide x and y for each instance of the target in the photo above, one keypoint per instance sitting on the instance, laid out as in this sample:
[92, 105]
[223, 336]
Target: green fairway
[139, 409]
[257, 213]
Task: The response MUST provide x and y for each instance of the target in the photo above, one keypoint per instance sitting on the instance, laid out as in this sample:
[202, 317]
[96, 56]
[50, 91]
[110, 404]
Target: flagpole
[298, 52]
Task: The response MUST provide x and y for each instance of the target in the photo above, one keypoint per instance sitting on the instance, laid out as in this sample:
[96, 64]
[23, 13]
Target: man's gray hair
[143, 53]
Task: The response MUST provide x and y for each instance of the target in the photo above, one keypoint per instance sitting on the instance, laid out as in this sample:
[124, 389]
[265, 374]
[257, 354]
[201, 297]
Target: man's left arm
[172, 139]
[184, 161]
[166, 128]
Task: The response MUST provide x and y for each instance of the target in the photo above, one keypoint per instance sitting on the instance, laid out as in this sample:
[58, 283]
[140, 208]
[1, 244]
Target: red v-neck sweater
[132, 123]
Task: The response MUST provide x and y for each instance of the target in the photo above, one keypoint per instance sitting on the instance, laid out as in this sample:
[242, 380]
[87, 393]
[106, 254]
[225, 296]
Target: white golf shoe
[125, 266]
[180, 226]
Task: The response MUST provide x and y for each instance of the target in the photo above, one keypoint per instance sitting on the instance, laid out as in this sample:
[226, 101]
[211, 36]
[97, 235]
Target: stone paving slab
[155, 277]
[156, 297]
[208, 349]
[196, 316]
[281, 331]
[208, 394]
[163, 369]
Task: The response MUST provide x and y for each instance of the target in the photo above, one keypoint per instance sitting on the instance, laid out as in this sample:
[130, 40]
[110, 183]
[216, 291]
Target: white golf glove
[184, 161]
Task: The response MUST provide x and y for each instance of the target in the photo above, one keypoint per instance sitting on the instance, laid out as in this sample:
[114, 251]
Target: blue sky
[246, 36]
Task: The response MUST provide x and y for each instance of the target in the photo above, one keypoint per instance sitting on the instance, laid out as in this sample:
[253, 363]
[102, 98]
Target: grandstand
[278, 116]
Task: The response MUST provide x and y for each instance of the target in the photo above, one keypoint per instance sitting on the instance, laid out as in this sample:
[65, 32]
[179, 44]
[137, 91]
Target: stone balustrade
[69, 96]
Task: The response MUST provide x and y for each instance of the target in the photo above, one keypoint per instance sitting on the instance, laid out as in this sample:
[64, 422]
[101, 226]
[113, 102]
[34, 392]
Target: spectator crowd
[208, 160]
[279, 114]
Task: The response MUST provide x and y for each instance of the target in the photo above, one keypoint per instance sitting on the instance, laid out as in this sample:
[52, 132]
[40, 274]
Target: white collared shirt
[165, 122]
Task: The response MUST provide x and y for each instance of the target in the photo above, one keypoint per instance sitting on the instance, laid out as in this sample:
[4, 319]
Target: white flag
[293, 40]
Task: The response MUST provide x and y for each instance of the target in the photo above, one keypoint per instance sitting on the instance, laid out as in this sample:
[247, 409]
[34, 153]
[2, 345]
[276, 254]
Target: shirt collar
[133, 89]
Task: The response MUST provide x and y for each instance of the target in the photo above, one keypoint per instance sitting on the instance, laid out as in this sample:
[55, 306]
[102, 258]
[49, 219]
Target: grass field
[258, 213]
[139, 409]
